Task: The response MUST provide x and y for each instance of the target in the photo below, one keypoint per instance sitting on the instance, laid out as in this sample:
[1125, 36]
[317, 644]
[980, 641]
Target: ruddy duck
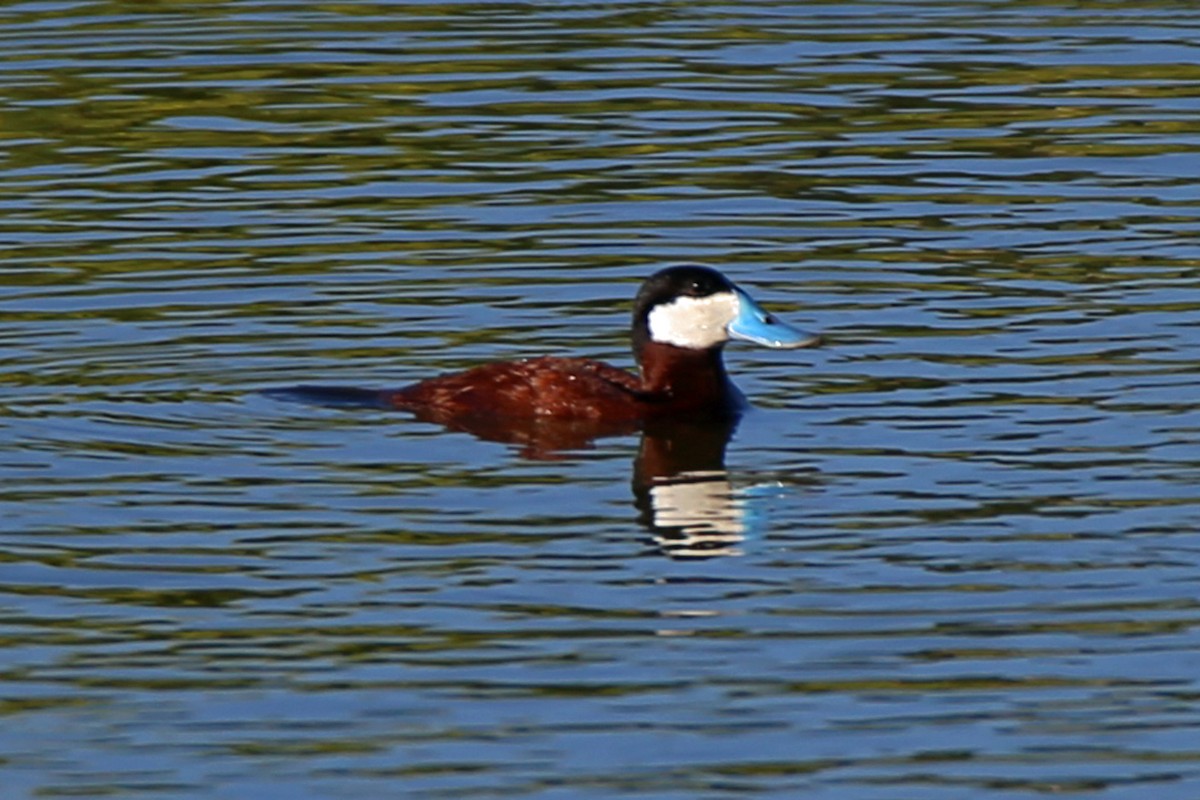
[682, 318]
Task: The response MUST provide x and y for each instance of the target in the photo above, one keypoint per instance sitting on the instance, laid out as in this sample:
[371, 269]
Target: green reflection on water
[991, 206]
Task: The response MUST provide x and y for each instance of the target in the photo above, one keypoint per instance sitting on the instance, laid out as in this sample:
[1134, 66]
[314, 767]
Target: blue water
[951, 554]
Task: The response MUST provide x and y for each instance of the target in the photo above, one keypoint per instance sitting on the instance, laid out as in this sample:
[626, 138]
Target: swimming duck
[682, 318]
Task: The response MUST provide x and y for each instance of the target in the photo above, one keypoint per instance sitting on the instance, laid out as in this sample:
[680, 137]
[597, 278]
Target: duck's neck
[687, 378]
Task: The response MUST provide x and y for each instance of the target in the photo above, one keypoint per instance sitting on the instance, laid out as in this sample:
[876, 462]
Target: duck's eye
[694, 287]
[769, 319]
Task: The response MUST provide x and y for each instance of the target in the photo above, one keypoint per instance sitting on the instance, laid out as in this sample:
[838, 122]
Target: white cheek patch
[694, 322]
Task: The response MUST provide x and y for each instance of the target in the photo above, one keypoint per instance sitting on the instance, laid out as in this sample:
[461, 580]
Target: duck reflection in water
[684, 494]
[681, 400]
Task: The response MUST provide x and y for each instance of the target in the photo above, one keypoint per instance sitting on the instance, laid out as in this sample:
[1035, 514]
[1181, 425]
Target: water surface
[951, 555]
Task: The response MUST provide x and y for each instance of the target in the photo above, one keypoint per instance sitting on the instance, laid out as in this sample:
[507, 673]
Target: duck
[683, 316]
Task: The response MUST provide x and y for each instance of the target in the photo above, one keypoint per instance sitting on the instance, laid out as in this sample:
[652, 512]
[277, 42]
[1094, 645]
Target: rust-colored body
[673, 381]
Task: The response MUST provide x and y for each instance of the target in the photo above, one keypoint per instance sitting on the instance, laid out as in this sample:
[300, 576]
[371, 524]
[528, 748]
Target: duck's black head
[697, 308]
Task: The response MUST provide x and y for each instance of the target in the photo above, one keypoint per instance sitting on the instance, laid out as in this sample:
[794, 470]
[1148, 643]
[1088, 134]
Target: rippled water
[953, 554]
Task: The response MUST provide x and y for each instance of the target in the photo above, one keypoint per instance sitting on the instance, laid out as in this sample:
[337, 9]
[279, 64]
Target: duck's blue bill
[757, 325]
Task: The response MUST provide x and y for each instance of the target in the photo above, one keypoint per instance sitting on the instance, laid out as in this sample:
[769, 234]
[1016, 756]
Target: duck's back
[567, 388]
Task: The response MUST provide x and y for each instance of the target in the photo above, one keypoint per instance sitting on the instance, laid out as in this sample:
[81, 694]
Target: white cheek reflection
[694, 322]
[701, 514]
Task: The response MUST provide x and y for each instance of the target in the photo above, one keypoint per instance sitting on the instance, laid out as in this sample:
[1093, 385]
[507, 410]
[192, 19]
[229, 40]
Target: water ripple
[949, 553]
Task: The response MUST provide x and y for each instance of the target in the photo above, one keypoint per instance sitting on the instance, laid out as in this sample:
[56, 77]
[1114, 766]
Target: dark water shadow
[682, 491]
